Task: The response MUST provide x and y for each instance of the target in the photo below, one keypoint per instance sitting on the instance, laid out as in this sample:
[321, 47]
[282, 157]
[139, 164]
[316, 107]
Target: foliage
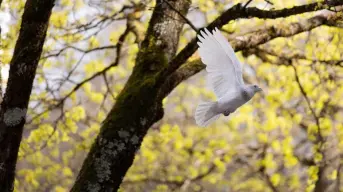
[288, 138]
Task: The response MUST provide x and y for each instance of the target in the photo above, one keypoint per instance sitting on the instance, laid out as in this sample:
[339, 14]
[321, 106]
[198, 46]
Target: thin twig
[269, 2]
[79, 85]
[338, 179]
[108, 86]
[182, 16]
[321, 139]
[59, 52]
[246, 4]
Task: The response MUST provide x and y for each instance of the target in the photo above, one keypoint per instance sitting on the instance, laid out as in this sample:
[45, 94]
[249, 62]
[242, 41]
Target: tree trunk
[23, 66]
[137, 107]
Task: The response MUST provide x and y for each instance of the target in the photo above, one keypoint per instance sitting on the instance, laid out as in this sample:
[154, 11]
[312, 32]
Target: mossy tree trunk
[156, 73]
[137, 107]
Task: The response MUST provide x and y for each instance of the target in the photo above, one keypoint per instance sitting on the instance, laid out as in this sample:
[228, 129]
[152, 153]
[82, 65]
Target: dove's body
[231, 101]
[225, 76]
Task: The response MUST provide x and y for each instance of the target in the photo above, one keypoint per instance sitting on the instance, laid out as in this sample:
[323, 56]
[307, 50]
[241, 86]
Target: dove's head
[254, 89]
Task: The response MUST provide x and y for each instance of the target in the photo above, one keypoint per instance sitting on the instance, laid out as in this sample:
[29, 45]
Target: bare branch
[338, 179]
[108, 86]
[248, 41]
[59, 52]
[237, 12]
[316, 118]
[262, 54]
[247, 3]
[102, 72]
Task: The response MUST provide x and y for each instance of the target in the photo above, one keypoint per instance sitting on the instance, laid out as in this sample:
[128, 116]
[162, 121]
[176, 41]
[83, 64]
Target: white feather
[222, 65]
[231, 53]
[205, 114]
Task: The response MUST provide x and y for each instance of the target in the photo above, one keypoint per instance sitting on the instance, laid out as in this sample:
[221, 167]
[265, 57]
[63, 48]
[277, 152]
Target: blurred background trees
[288, 139]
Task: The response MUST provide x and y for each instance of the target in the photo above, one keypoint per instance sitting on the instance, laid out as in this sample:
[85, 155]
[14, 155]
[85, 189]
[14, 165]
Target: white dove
[225, 77]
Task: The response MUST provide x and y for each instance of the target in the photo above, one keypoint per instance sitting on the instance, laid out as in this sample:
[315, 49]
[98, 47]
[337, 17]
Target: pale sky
[4, 20]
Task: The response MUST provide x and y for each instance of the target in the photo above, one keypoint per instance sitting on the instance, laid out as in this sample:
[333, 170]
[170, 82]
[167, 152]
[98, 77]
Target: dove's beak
[261, 92]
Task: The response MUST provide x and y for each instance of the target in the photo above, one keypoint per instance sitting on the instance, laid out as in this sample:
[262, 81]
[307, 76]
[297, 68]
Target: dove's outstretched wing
[224, 69]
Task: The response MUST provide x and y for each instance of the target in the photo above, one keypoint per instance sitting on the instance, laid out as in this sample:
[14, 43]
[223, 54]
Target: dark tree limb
[248, 41]
[262, 54]
[237, 12]
[22, 72]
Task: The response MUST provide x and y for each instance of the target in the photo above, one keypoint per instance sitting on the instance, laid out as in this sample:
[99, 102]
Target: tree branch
[247, 3]
[237, 12]
[59, 52]
[262, 53]
[315, 116]
[102, 72]
[248, 41]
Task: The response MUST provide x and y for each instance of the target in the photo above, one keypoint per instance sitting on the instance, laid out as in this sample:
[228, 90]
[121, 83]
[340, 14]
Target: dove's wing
[222, 65]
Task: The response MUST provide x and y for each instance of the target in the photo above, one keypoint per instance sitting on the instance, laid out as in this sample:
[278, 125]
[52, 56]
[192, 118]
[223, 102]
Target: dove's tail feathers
[205, 114]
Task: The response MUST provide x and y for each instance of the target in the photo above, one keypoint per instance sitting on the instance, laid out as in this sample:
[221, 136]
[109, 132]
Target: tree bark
[23, 66]
[137, 107]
